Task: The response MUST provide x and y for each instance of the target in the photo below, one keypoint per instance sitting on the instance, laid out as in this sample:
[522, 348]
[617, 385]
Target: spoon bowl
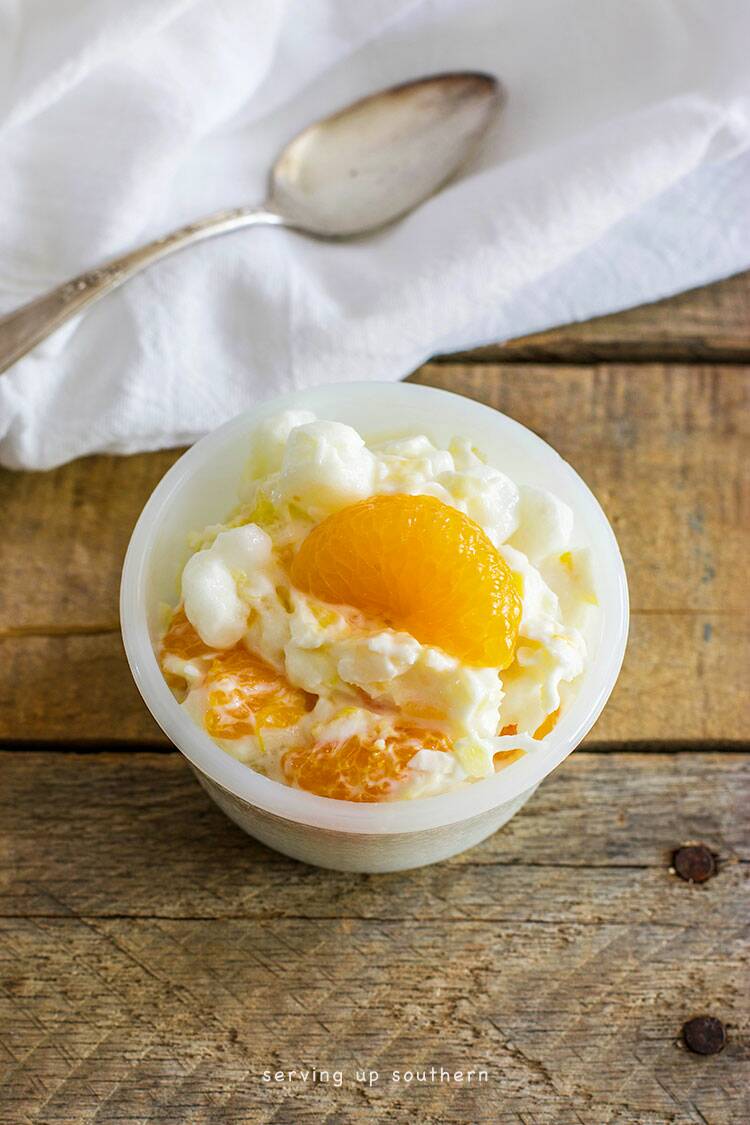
[351, 173]
[374, 161]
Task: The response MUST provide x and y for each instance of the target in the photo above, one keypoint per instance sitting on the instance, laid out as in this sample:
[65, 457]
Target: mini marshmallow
[326, 466]
[209, 584]
[545, 524]
[270, 438]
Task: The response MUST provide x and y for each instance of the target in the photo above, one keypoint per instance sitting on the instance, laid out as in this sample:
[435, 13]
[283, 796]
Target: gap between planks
[521, 355]
[138, 746]
[706, 325]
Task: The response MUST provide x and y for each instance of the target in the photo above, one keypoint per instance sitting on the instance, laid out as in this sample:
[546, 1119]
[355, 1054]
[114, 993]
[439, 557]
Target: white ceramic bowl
[201, 488]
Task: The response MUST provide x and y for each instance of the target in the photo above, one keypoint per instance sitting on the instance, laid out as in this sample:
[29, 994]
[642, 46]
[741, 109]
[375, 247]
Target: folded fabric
[618, 172]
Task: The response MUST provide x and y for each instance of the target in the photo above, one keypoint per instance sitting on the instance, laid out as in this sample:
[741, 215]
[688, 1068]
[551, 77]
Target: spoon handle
[22, 329]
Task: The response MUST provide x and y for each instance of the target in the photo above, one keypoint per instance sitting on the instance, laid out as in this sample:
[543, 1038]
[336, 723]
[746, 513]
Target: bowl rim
[326, 813]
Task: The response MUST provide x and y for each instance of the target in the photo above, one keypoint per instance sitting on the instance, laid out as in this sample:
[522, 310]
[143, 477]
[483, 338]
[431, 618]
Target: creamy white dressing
[235, 589]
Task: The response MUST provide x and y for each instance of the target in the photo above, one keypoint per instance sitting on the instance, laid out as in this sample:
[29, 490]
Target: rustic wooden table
[156, 962]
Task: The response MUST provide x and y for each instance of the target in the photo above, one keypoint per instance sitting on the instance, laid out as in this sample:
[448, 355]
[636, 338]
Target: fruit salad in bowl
[375, 604]
[379, 620]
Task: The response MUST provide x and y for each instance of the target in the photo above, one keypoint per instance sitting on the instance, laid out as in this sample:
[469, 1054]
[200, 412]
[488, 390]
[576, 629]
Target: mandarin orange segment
[549, 724]
[502, 758]
[505, 757]
[246, 694]
[355, 769]
[182, 640]
[421, 566]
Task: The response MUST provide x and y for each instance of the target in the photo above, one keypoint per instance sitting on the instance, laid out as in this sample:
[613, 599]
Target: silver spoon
[344, 176]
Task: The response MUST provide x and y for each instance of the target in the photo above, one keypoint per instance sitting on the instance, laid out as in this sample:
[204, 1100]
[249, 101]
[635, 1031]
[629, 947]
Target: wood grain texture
[711, 323]
[683, 679]
[664, 448]
[154, 961]
[74, 688]
[64, 538]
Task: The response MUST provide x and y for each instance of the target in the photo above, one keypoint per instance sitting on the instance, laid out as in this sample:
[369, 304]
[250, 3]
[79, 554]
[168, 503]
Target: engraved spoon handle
[22, 329]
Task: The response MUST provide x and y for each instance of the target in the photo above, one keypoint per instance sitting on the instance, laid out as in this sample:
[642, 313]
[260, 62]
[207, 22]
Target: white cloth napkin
[619, 172]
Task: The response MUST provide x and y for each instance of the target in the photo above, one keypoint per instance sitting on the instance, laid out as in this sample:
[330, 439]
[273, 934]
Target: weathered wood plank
[664, 448]
[176, 1022]
[70, 688]
[684, 679]
[711, 323]
[666, 451]
[619, 816]
[172, 960]
[64, 538]
[679, 681]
